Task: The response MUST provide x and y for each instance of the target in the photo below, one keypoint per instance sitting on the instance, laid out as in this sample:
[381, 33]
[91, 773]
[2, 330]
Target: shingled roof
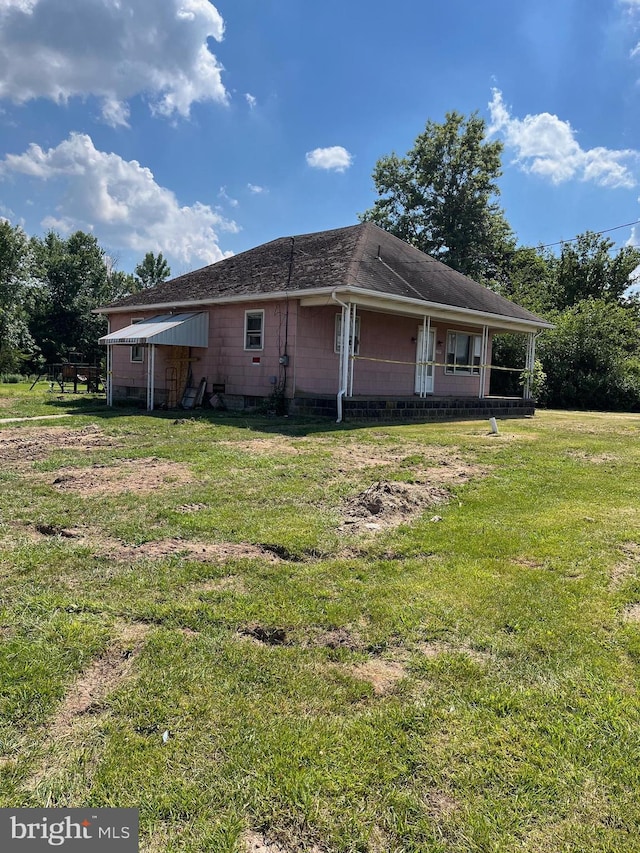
[360, 256]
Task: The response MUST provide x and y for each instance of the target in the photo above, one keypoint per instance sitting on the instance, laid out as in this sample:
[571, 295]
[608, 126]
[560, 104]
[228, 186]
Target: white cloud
[335, 158]
[222, 194]
[547, 146]
[255, 189]
[119, 201]
[59, 49]
[250, 100]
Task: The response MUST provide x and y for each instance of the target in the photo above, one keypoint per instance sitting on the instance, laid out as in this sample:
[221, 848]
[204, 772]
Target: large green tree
[441, 196]
[70, 278]
[152, 270]
[592, 356]
[16, 343]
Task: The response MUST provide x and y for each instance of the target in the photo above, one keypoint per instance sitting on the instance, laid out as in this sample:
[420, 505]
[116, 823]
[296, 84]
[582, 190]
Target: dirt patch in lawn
[255, 842]
[198, 551]
[593, 458]
[388, 504]
[84, 700]
[102, 677]
[34, 444]
[627, 567]
[203, 552]
[383, 675]
[127, 475]
[335, 638]
[440, 463]
[437, 649]
[631, 613]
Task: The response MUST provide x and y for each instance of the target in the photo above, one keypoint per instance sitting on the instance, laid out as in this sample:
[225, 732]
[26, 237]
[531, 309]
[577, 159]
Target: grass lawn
[284, 635]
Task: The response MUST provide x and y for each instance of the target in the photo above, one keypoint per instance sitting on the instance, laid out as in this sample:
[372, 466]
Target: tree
[592, 357]
[586, 269]
[71, 277]
[152, 270]
[16, 343]
[441, 196]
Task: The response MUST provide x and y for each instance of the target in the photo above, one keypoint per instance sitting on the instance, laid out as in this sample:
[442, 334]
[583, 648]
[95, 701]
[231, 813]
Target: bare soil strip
[34, 444]
[77, 713]
[255, 842]
[628, 567]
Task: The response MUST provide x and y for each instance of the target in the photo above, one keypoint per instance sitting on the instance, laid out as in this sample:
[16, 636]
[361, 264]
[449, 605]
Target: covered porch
[402, 359]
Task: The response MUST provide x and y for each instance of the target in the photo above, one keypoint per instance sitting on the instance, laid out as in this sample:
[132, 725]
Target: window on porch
[464, 352]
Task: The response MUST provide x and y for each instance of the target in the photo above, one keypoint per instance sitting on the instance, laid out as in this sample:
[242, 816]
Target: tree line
[48, 289]
[442, 197]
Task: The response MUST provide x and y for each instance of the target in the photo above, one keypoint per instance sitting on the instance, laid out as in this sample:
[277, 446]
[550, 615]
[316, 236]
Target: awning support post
[109, 377]
[151, 370]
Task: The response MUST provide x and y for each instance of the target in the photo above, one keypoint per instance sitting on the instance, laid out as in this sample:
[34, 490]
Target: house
[351, 322]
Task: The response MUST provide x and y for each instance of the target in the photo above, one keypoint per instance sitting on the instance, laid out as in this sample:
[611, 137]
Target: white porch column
[352, 348]
[484, 350]
[530, 364]
[344, 348]
[424, 354]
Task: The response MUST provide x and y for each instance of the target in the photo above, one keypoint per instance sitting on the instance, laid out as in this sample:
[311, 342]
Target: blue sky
[201, 129]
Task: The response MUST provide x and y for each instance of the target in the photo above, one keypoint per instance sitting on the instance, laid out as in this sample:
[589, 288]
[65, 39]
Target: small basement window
[464, 352]
[253, 329]
[337, 344]
[137, 350]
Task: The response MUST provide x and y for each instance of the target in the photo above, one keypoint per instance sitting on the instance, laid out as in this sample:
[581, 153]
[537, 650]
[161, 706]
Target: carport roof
[179, 330]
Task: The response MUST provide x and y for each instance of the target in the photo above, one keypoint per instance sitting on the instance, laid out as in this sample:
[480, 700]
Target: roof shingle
[362, 256]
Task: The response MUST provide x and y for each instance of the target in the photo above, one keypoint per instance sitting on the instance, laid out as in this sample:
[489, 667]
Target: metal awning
[178, 330]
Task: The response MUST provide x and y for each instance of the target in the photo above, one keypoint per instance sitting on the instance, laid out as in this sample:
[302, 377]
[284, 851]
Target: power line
[597, 234]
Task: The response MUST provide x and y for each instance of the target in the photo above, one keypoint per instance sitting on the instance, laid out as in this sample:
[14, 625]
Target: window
[253, 329]
[137, 350]
[337, 346]
[464, 353]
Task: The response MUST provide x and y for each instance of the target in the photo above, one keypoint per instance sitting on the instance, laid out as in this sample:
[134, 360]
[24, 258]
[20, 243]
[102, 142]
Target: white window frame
[468, 367]
[337, 341]
[136, 354]
[257, 312]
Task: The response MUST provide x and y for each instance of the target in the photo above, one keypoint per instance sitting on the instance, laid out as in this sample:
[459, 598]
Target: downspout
[344, 357]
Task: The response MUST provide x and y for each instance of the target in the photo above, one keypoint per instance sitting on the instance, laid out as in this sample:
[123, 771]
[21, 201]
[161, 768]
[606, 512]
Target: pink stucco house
[351, 322]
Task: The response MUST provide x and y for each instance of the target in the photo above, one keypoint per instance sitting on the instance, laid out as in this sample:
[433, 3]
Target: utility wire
[597, 233]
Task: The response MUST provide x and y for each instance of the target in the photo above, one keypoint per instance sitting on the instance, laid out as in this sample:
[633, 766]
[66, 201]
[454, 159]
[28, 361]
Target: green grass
[512, 723]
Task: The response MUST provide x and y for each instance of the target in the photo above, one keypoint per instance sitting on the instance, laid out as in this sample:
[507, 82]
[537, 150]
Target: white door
[424, 372]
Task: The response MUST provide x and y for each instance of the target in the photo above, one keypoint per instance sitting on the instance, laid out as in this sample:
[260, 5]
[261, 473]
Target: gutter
[501, 320]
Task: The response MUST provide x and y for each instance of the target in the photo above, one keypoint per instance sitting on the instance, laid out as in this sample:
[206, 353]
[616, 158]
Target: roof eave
[501, 320]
